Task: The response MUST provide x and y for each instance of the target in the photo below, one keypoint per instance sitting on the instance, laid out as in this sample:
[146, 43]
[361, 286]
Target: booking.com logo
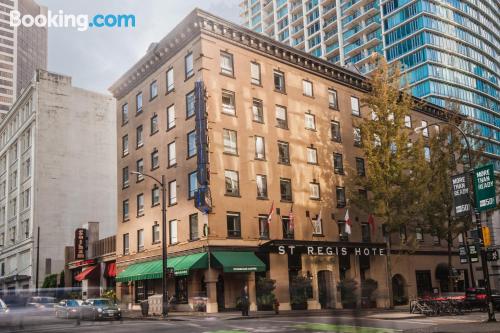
[81, 22]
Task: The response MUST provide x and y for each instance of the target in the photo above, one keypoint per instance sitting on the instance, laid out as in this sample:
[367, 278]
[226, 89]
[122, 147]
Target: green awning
[153, 269]
[192, 261]
[235, 262]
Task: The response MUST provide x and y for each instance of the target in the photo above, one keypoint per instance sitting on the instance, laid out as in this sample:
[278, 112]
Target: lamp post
[164, 309]
[484, 263]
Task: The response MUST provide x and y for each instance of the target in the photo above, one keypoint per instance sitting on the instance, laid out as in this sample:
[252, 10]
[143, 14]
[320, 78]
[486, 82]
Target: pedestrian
[244, 301]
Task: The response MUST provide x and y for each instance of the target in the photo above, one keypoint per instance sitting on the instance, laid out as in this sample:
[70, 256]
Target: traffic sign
[462, 252]
[484, 188]
[492, 255]
[473, 253]
[486, 236]
[461, 194]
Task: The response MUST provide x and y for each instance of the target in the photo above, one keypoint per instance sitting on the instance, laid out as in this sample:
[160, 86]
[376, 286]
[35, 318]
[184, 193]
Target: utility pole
[37, 259]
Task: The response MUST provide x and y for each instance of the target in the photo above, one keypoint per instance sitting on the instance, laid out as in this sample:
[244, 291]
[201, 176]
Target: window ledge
[318, 235]
[232, 195]
[227, 75]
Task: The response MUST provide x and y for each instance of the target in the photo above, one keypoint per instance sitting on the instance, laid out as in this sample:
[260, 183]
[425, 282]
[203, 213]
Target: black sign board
[81, 244]
[461, 194]
[473, 253]
[492, 255]
[462, 252]
[170, 272]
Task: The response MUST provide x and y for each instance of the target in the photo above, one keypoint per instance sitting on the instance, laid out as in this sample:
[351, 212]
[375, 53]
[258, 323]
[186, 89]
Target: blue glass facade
[449, 48]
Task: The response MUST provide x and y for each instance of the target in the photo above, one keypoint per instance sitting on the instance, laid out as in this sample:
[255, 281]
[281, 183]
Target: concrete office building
[57, 172]
[241, 125]
[450, 48]
[22, 50]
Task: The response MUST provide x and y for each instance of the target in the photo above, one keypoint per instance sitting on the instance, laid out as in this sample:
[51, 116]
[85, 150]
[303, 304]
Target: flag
[371, 222]
[319, 225]
[348, 222]
[270, 215]
[290, 216]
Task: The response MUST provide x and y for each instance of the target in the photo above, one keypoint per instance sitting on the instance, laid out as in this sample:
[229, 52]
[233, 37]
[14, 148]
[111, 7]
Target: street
[343, 323]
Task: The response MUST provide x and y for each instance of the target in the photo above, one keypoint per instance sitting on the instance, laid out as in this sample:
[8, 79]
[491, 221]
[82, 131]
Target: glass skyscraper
[450, 48]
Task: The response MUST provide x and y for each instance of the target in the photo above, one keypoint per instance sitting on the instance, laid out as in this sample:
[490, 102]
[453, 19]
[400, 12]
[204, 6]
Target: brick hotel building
[277, 132]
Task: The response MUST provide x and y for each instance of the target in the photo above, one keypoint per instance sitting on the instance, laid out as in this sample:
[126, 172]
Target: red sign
[80, 244]
[82, 263]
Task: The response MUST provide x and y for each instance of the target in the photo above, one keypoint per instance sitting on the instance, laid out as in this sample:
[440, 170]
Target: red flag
[371, 222]
[270, 215]
[348, 222]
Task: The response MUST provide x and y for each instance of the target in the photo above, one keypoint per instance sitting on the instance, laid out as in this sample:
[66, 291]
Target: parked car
[68, 308]
[41, 302]
[100, 308]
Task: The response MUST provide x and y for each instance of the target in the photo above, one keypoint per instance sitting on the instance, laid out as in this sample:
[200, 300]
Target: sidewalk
[482, 327]
[236, 315]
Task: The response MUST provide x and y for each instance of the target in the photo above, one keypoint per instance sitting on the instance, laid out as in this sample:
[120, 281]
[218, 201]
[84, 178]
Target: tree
[393, 164]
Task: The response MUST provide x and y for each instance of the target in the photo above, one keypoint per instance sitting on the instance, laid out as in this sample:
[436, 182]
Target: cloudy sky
[97, 57]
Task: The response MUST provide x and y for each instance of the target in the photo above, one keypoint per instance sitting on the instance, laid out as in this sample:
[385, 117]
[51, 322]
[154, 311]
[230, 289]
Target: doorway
[325, 289]
[220, 293]
[399, 296]
[424, 283]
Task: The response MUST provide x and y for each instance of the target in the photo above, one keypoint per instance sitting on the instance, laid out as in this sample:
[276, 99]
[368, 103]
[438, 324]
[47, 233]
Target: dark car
[41, 302]
[68, 308]
[100, 308]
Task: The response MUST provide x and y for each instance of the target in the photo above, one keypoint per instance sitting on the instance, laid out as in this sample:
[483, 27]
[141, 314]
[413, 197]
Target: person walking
[245, 302]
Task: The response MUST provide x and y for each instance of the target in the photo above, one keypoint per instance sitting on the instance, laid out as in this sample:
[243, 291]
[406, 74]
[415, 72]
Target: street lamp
[484, 264]
[164, 309]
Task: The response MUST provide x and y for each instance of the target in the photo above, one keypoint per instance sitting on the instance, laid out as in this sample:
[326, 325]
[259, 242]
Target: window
[172, 234]
[286, 189]
[233, 225]
[13, 180]
[188, 65]
[156, 234]
[261, 181]
[287, 225]
[140, 240]
[365, 233]
[279, 81]
[155, 196]
[125, 209]
[312, 155]
[340, 191]
[27, 168]
[124, 114]
[419, 234]
[172, 193]
[140, 204]
[125, 177]
[355, 106]
[193, 184]
[153, 90]
[193, 227]
[314, 191]
[402, 233]
[154, 124]
[425, 129]
[139, 138]
[190, 104]
[228, 105]
[260, 148]
[138, 102]
[281, 117]
[255, 73]
[257, 111]
[125, 145]
[335, 129]
[172, 160]
[310, 121]
[427, 153]
[283, 153]
[360, 166]
[232, 182]
[343, 236]
[408, 121]
[338, 164]
[356, 131]
[307, 88]
[263, 226]
[140, 169]
[125, 244]
[317, 224]
[230, 142]
[155, 160]
[170, 80]
[170, 117]
[332, 99]
[191, 141]
[226, 64]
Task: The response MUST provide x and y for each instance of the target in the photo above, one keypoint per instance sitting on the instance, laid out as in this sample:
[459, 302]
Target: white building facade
[57, 171]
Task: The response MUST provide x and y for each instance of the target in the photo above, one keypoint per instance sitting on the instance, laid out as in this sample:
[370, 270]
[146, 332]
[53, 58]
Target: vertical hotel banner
[80, 244]
[484, 188]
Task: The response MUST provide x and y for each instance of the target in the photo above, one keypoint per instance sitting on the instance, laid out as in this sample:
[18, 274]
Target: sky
[96, 58]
